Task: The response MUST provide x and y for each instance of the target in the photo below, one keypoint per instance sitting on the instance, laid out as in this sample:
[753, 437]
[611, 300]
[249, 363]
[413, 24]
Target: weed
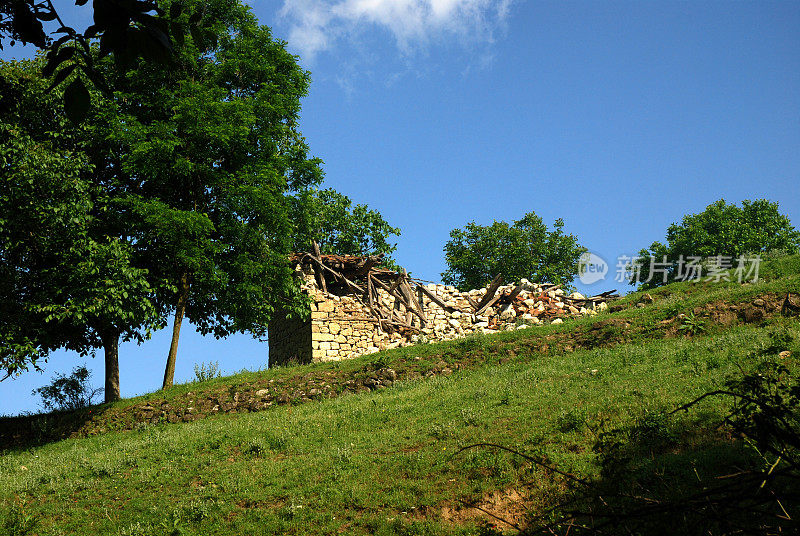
[344, 455]
[505, 396]
[381, 361]
[653, 431]
[255, 449]
[137, 529]
[42, 428]
[197, 511]
[207, 371]
[441, 431]
[691, 325]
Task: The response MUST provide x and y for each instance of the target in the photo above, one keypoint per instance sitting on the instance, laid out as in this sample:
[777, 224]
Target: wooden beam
[319, 273]
[488, 304]
[338, 275]
[368, 264]
[435, 299]
[412, 299]
[515, 293]
[399, 296]
[490, 292]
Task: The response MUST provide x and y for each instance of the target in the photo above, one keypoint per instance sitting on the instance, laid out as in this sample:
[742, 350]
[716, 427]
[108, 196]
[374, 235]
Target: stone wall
[289, 340]
[342, 327]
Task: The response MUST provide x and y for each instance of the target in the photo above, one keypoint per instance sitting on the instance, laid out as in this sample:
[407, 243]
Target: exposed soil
[504, 509]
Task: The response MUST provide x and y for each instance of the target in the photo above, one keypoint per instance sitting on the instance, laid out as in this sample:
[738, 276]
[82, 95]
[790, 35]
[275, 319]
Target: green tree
[732, 231]
[205, 156]
[62, 284]
[330, 218]
[523, 249]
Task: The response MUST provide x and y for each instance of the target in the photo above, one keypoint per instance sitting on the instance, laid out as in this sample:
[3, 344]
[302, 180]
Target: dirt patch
[503, 509]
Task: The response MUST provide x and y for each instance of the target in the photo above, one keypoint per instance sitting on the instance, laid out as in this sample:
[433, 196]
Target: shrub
[68, 392]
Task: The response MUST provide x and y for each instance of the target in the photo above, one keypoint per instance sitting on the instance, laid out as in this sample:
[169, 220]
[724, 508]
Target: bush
[69, 393]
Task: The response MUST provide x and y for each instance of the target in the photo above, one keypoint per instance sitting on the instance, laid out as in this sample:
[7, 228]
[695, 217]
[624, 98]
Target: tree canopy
[722, 230]
[523, 249]
[124, 29]
[190, 172]
[63, 282]
[330, 218]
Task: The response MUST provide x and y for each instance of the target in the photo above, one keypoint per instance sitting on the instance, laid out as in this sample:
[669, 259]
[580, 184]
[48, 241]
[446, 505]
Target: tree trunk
[111, 350]
[180, 309]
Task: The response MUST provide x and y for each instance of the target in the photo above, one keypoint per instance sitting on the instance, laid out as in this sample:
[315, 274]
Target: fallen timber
[361, 277]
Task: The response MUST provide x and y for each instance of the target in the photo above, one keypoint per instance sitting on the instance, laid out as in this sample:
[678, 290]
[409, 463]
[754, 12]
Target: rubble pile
[360, 308]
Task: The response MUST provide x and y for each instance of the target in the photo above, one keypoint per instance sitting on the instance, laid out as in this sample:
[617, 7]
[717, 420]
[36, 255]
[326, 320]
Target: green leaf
[61, 76]
[76, 101]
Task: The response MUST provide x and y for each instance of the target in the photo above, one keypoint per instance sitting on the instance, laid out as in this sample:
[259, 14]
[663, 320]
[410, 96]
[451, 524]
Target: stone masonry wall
[341, 327]
[289, 340]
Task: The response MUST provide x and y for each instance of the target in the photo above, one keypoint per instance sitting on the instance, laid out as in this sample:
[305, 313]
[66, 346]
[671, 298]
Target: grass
[358, 464]
[385, 462]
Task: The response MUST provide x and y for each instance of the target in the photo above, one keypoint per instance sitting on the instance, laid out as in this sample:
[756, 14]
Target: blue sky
[619, 117]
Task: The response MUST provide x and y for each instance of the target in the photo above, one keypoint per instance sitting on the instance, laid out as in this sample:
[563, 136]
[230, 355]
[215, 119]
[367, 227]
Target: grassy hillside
[385, 458]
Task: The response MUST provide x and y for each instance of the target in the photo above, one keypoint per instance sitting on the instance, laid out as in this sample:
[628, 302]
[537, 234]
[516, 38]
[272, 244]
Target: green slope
[385, 461]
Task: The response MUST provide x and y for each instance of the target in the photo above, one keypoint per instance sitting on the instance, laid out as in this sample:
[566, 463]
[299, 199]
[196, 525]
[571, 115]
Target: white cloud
[319, 25]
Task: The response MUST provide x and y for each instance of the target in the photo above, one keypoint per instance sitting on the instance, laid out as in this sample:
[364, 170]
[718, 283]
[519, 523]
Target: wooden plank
[338, 275]
[490, 292]
[319, 273]
[435, 299]
[488, 304]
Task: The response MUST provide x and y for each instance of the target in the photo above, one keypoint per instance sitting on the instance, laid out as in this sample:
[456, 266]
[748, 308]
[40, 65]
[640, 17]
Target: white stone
[577, 296]
[507, 312]
[557, 321]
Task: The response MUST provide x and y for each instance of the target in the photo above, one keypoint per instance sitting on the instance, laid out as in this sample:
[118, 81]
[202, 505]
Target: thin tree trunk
[180, 309]
[111, 350]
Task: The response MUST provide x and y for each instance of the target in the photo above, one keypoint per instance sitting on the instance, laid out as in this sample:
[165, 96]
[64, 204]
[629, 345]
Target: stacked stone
[342, 327]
